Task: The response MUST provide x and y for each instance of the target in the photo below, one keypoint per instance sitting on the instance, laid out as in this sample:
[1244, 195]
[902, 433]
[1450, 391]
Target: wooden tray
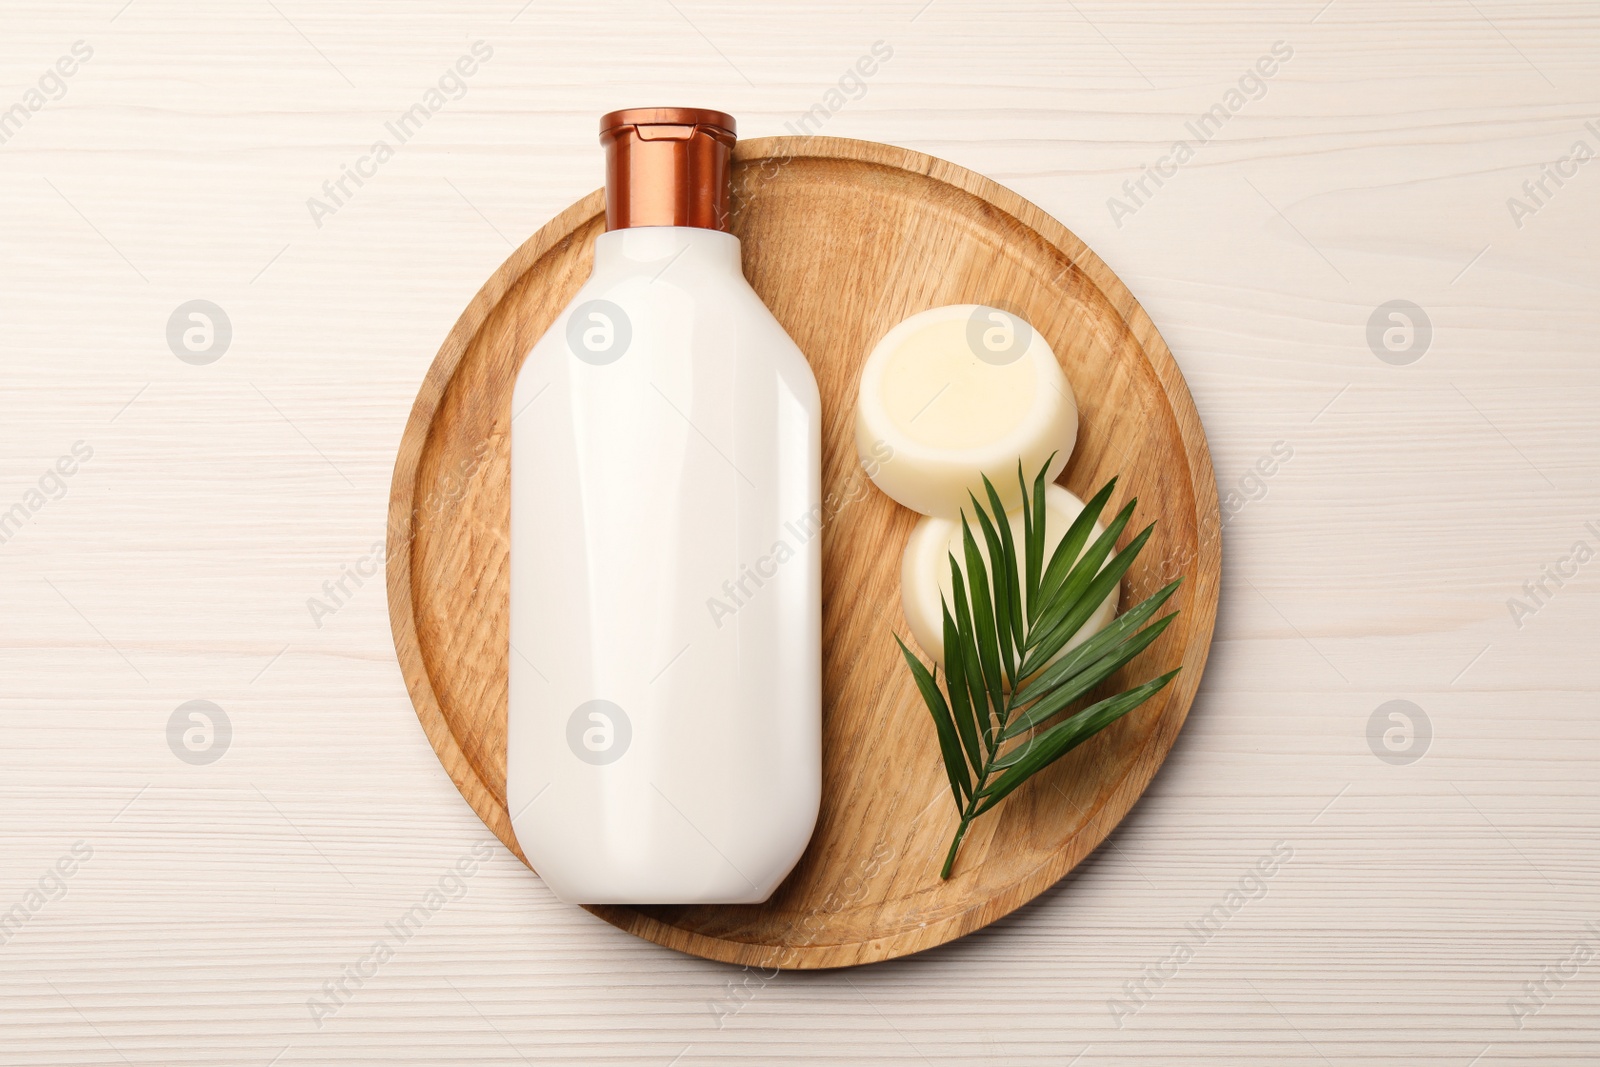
[842, 239]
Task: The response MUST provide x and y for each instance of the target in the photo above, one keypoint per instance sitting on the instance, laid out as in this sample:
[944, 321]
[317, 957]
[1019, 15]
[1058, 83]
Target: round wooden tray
[842, 239]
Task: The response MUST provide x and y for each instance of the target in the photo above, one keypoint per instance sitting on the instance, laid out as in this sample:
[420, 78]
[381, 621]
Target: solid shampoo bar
[925, 569]
[957, 392]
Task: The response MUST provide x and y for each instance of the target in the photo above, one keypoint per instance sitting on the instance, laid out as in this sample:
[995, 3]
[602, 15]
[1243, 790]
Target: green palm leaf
[1026, 760]
[1010, 613]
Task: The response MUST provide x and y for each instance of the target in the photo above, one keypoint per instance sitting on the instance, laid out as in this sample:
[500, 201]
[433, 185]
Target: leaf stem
[955, 844]
[978, 784]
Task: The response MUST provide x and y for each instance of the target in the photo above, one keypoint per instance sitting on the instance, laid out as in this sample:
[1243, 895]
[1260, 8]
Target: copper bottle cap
[667, 166]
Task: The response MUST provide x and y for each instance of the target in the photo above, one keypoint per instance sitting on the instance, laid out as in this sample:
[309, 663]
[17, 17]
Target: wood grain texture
[842, 239]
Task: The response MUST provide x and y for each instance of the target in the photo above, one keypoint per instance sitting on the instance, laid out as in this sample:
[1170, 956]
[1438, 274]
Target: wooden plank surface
[1376, 564]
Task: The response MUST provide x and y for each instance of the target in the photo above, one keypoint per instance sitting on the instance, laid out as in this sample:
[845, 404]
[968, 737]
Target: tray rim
[1114, 802]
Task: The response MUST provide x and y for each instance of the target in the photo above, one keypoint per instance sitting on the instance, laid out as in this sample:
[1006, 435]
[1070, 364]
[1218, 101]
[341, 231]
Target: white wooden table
[212, 907]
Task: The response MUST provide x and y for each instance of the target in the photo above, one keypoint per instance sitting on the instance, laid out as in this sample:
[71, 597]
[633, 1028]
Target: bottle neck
[665, 250]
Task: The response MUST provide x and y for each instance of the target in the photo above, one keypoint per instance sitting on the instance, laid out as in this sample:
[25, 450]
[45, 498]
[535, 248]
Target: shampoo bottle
[664, 722]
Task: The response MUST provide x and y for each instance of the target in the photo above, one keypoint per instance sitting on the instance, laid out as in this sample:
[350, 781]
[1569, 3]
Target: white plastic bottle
[664, 730]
